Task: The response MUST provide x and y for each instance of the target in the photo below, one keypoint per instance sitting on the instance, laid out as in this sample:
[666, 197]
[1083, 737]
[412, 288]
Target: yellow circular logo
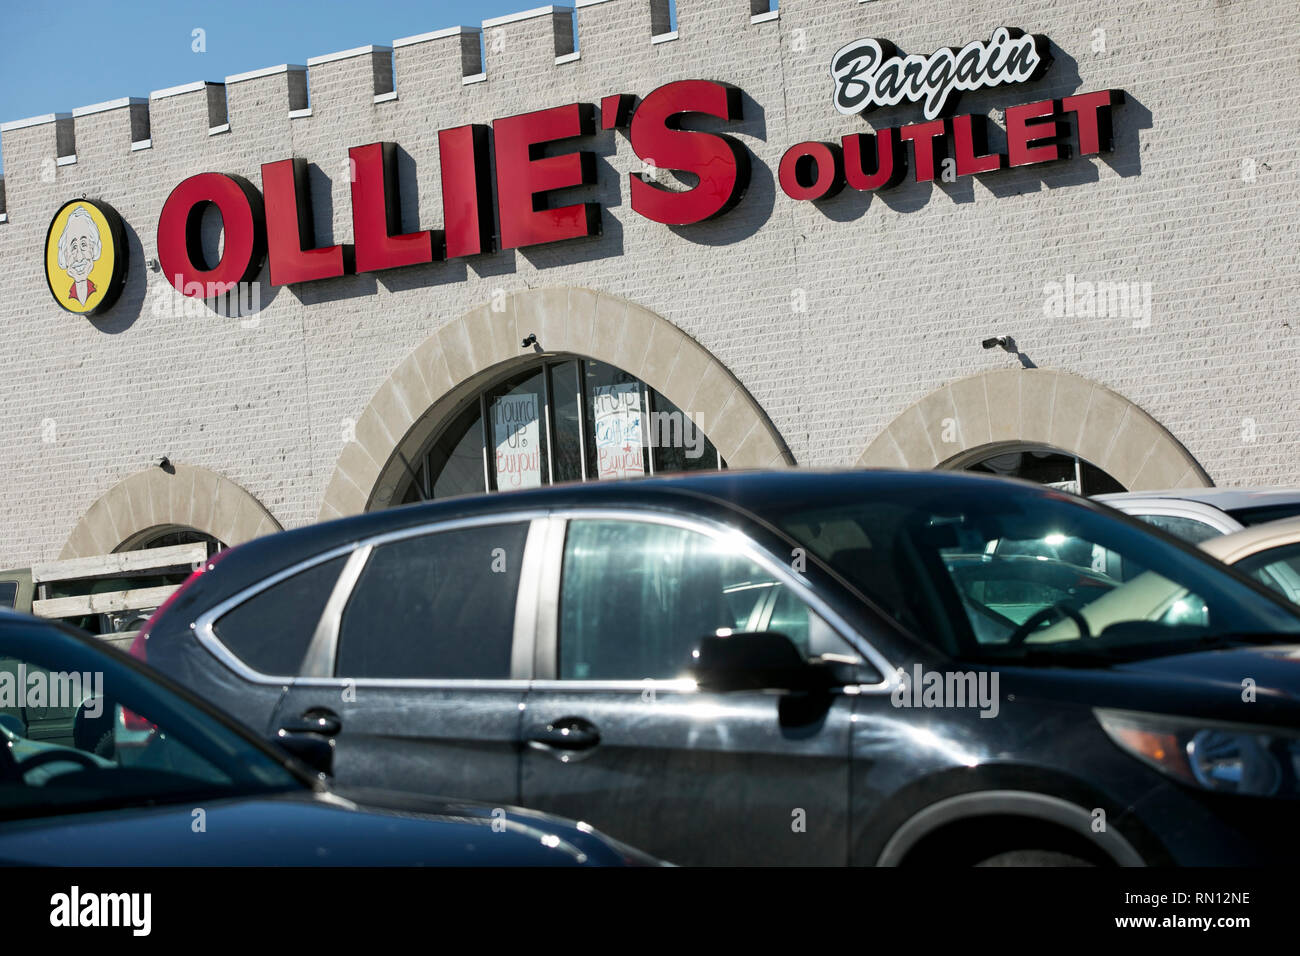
[85, 256]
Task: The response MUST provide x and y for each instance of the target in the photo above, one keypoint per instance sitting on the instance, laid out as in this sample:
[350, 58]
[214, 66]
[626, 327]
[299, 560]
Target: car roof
[1225, 499]
[1231, 548]
[717, 494]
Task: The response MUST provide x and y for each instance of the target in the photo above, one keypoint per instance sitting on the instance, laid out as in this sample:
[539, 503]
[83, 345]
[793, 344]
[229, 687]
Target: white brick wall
[900, 286]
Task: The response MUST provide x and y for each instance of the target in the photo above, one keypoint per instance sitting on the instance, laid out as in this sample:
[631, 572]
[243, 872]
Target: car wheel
[1033, 858]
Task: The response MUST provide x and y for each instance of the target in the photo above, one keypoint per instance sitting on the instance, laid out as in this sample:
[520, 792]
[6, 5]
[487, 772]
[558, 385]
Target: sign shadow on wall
[427, 274]
[135, 292]
[607, 193]
[754, 209]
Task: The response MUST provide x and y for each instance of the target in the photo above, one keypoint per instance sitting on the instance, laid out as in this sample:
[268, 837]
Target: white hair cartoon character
[80, 247]
[86, 242]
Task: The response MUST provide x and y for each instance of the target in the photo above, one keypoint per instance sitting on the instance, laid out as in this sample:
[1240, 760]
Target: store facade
[592, 243]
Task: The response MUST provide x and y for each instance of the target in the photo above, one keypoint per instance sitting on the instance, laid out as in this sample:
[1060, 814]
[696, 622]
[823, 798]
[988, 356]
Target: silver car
[1198, 514]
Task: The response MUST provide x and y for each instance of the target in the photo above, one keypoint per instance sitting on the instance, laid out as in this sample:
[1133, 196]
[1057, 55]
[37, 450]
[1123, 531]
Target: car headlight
[1213, 755]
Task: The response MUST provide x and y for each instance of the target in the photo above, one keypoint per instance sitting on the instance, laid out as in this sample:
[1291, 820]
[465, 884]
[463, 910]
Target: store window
[567, 419]
[1047, 466]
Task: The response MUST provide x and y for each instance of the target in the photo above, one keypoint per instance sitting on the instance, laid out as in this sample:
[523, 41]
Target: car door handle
[567, 733]
[317, 720]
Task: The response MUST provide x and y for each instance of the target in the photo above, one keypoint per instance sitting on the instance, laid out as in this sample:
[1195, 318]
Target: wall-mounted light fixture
[1008, 344]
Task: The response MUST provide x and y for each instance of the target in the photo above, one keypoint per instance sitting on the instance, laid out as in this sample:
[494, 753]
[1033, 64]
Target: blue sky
[145, 45]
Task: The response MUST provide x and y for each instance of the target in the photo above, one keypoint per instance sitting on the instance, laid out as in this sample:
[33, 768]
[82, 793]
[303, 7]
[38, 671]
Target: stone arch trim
[1037, 406]
[485, 342]
[188, 495]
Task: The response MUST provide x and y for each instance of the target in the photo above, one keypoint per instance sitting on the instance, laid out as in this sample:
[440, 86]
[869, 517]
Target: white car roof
[1231, 548]
[1225, 499]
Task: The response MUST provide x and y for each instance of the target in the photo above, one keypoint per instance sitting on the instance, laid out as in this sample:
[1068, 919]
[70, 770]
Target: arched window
[562, 419]
[1042, 464]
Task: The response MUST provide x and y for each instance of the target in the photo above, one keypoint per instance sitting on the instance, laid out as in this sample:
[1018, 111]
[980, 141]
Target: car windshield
[81, 730]
[1262, 514]
[1004, 573]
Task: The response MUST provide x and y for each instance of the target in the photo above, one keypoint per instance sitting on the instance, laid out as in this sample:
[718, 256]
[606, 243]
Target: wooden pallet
[124, 564]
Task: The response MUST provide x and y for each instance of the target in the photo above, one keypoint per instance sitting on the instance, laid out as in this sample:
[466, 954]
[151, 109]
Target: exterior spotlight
[531, 340]
[1005, 342]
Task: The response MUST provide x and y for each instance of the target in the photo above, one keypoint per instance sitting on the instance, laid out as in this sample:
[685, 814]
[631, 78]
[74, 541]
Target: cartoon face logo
[79, 249]
[85, 256]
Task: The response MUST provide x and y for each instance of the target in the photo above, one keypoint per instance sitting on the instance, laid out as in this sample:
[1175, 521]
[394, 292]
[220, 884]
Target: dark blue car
[184, 785]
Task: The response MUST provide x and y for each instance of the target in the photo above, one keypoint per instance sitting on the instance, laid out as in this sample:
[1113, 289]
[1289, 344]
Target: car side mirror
[759, 660]
[314, 750]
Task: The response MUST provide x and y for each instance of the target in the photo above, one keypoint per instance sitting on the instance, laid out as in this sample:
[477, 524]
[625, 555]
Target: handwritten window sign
[617, 416]
[515, 434]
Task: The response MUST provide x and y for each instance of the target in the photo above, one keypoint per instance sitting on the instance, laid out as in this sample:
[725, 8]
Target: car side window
[1276, 568]
[55, 766]
[271, 631]
[636, 597]
[52, 717]
[42, 726]
[1007, 583]
[439, 605]
[135, 745]
[1190, 530]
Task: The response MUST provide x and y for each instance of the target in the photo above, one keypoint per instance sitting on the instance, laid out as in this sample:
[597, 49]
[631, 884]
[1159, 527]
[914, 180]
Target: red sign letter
[377, 213]
[812, 171]
[719, 161]
[524, 174]
[1093, 109]
[1022, 134]
[289, 227]
[927, 146]
[466, 191]
[180, 252]
[890, 161]
[969, 141]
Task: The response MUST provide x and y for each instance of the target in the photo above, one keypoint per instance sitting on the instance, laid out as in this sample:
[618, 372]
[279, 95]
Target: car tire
[1033, 858]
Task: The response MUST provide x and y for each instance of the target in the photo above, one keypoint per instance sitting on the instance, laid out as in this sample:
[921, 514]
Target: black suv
[782, 667]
